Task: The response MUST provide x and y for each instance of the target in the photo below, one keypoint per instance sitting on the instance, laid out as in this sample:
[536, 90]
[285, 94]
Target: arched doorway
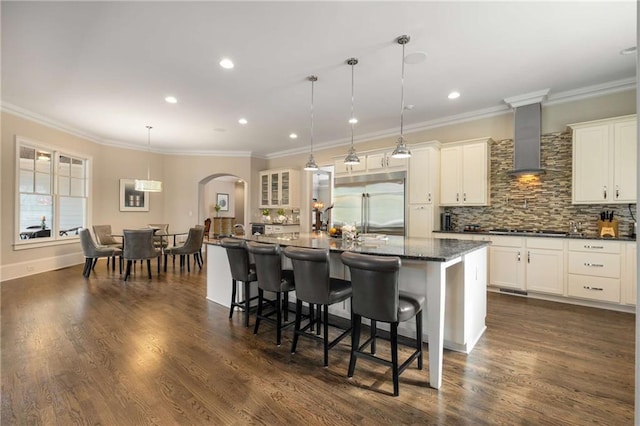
[227, 191]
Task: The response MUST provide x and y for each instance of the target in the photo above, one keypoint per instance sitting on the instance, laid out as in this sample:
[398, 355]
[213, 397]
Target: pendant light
[148, 185]
[352, 157]
[402, 151]
[311, 164]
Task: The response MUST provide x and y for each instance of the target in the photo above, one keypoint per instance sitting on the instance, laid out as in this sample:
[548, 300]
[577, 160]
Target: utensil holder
[608, 228]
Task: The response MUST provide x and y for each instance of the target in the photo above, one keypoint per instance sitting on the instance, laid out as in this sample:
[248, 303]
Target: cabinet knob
[604, 191]
[429, 197]
[617, 191]
[518, 255]
[588, 287]
[593, 265]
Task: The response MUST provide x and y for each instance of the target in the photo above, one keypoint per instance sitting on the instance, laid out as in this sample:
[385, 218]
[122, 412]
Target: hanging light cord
[402, 93]
[353, 63]
[313, 79]
[149, 145]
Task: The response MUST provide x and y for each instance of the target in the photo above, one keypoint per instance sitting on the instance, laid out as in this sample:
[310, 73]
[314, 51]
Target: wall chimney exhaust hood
[527, 130]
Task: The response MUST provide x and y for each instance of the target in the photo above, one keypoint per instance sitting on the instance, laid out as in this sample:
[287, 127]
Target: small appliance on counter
[445, 222]
[472, 228]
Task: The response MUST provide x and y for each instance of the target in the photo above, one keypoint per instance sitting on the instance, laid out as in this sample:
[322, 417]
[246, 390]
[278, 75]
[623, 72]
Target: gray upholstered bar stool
[271, 278]
[314, 285]
[376, 296]
[241, 270]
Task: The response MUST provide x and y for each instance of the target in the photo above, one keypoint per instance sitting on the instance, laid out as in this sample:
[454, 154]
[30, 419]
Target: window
[52, 193]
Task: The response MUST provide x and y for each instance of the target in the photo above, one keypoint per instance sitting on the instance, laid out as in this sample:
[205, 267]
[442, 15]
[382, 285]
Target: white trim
[37, 266]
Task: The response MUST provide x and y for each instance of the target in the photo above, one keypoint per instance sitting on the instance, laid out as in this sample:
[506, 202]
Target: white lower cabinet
[506, 268]
[629, 285]
[545, 265]
[594, 270]
[420, 220]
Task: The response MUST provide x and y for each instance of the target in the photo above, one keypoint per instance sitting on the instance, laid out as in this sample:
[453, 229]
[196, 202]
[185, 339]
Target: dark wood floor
[99, 351]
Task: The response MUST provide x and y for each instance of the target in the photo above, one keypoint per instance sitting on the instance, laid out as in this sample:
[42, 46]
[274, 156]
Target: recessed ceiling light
[171, 99]
[353, 120]
[454, 95]
[293, 136]
[226, 63]
[415, 58]
[243, 121]
[628, 51]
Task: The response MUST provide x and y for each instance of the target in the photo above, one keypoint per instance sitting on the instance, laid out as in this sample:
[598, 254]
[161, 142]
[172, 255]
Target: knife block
[608, 228]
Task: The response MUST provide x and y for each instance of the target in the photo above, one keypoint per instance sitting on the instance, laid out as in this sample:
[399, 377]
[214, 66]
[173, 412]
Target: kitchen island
[451, 273]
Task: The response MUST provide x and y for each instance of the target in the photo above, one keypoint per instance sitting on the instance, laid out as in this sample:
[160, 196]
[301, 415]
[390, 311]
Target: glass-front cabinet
[279, 188]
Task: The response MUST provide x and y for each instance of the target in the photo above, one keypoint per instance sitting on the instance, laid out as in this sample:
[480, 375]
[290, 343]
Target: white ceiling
[104, 68]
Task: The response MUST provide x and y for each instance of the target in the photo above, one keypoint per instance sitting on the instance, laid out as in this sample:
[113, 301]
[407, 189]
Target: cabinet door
[275, 188]
[450, 175]
[423, 173]
[264, 190]
[545, 271]
[506, 267]
[285, 186]
[340, 168]
[474, 174]
[630, 274]
[420, 221]
[396, 163]
[624, 162]
[591, 165]
[376, 162]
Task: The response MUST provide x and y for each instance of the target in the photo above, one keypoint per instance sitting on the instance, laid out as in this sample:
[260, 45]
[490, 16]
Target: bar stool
[376, 296]
[241, 270]
[315, 286]
[272, 278]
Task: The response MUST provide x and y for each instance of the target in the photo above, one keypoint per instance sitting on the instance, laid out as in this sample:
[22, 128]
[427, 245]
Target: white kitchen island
[451, 273]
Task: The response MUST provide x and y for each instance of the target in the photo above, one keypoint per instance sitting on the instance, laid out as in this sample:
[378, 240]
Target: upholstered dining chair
[271, 278]
[105, 238]
[191, 246]
[93, 252]
[376, 296]
[138, 245]
[315, 286]
[160, 240]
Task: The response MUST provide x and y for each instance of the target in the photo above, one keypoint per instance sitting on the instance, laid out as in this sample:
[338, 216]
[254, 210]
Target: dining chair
[192, 246]
[376, 296]
[160, 238]
[105, 238]
[315, 286]
[93, 252]
[138, 245]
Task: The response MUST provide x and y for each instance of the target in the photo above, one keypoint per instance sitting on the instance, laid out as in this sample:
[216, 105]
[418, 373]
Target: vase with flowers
[217, 208]
[266, 215]
[282, 218]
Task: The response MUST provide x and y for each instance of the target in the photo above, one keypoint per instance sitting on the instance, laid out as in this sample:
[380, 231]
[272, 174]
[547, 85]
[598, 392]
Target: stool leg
[355, 343]
[278, 318]
[296, 328]
[246, 303]
[233, 297]
[419, 338]
[394, 358]
[325, 331]
[259, 313]
[285, 305]
[374, 331]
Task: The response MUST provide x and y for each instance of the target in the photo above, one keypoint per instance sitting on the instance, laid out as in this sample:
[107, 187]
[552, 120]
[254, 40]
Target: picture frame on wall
[223, 201]
[132, 200]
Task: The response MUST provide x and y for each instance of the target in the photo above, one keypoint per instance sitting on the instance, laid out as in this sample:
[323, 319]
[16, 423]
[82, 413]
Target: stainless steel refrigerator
[374, 203]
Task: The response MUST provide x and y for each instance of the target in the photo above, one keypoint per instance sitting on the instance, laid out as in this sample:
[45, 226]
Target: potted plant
[266, 215]
[217, 207]
[281, 216]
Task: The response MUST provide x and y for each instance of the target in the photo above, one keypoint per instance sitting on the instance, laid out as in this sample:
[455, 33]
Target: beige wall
[183, 175]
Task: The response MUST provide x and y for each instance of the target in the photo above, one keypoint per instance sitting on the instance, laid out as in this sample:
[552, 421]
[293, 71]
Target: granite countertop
[426, 249]
[275, 223]
[582, 236]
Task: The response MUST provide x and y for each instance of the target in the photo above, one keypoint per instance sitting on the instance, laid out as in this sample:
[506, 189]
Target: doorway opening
[223, 196]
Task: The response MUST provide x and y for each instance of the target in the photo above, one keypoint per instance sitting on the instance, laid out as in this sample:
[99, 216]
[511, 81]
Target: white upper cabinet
[604, 161]
[382, 161]
[464, 173]
[344, 169]
[279, 188]
[424, 170]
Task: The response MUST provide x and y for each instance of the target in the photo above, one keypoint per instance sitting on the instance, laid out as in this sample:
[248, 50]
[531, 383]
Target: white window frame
[56, 152]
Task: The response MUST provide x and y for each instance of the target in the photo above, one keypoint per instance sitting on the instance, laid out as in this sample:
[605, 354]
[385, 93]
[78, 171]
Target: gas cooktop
[541, 232]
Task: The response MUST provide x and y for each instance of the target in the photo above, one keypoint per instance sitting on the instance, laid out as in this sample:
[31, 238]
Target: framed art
[132, 200]
[223, 201]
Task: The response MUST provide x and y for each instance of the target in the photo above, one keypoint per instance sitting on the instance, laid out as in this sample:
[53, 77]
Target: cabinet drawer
[507, 241]
[596, 288]
[545, 243]
[595, 246]
[598, 265]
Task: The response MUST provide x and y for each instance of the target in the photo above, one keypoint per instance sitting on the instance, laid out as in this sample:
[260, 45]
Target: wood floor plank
[101, 351]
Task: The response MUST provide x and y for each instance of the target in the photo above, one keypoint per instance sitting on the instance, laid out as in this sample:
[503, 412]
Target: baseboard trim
[38, 266]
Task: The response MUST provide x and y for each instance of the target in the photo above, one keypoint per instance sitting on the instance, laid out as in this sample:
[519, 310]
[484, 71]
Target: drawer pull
[594, 265]
[588, 246]
[587, 287]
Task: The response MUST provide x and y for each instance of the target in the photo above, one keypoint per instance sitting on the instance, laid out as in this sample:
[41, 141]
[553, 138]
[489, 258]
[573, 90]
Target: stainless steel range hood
[527, 131]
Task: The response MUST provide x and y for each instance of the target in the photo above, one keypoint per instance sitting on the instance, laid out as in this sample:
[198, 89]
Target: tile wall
[540, 204]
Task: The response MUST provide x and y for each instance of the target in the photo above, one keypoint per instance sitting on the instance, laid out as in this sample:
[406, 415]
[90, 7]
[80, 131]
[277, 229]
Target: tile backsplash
[543, 203]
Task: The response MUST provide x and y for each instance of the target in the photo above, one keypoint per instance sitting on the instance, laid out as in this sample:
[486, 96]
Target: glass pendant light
[352, 157]
[311, 163]
[148, 185]
[402, 151]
